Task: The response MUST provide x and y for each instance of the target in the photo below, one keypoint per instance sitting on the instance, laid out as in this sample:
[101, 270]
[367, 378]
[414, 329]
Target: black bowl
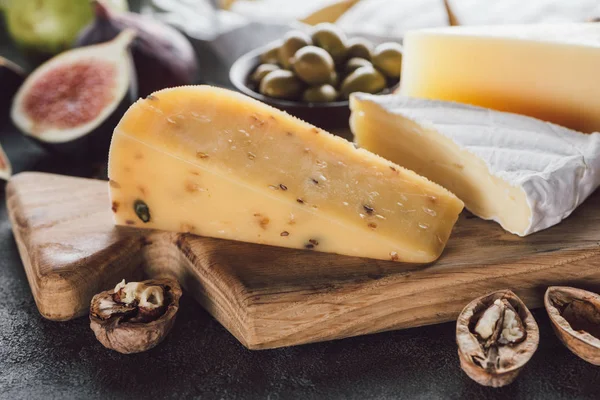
[330, 116]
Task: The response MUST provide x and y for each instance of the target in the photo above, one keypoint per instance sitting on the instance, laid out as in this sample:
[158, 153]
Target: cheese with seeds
[216, 163]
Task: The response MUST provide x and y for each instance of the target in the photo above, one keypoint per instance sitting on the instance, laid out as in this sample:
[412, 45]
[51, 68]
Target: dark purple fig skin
[163, 57]
[11, 78]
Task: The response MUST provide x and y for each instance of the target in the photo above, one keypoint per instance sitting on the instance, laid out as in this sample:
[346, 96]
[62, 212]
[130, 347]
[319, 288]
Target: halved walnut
[575, 316]
[496, 335]
[136, 316]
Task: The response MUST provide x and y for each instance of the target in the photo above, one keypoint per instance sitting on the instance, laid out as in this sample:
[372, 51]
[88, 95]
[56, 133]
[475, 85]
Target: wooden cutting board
[271, 297]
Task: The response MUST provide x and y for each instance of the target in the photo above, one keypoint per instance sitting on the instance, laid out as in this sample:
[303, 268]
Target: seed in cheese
[216, 163]
[521, 172]
[545, 71]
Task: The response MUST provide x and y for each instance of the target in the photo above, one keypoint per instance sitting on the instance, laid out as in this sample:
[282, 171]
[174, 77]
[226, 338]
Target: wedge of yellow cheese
[216, 163]
[547, 71]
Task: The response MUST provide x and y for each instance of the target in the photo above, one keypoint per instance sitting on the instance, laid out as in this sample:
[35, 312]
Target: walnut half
[496, 336]
[135, 316]
[575, 317]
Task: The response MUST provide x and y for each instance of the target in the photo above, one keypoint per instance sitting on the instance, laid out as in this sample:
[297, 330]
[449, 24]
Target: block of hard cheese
[548, 71]
[217, 163]
[521, 172]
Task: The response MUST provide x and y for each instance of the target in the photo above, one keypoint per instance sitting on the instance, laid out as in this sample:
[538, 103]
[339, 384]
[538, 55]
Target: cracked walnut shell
[496, 336]
[575, 317]
[136, 316]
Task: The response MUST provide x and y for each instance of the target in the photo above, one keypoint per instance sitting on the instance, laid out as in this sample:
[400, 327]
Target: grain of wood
[272, 297]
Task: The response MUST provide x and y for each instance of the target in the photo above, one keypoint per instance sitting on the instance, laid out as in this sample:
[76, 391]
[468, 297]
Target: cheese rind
[524, 173]
[217, 163]
[545, 71]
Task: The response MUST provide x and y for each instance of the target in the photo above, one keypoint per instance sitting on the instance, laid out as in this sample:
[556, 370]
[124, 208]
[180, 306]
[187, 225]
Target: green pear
[43, 28]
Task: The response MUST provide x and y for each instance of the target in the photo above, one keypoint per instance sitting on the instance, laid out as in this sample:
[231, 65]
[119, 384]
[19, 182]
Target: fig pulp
[11, 77]
[43, 28]
[72, 102]
[163, 57]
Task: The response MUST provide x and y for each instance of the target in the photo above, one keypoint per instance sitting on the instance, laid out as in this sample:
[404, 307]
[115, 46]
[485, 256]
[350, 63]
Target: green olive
[360, 47]
[364, 79]
[332, 39]
[261, 71]
[270, 56]
[320, 94]
[354, 63]
[387, 58]
[335, 78]
[313, 65]
[281, 84]
[292, 42]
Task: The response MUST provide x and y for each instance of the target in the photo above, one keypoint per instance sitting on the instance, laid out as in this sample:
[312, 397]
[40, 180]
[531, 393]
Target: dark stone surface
[44, 359]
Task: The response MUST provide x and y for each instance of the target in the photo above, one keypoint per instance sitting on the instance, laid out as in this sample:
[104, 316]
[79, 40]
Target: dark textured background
[44, 359]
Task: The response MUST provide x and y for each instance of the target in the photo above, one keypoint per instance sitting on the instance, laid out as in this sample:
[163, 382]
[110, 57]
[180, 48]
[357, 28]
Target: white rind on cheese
[392, 19]
[477, 12]
[556, 168]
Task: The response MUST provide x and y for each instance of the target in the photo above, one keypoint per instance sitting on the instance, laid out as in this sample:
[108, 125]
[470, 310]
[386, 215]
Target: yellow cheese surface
[216, 163]
[545, 71]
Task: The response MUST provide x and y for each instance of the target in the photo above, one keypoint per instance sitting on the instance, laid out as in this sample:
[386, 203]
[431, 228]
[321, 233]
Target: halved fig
[135, 316]
[575, 316]
[496, 336]
[11, 78]
[72, 102]
[5, 167]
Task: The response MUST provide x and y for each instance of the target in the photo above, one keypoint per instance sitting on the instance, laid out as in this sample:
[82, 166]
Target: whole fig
[163, 57]
[43, 28]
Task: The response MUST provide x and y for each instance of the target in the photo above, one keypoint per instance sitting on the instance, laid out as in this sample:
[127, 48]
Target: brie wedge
[524, 173]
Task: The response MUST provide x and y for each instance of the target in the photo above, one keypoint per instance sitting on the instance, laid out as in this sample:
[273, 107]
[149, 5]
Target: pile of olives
[325, 66]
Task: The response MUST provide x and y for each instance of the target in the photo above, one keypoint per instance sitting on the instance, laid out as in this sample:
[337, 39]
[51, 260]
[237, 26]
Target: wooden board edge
[583, 271]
